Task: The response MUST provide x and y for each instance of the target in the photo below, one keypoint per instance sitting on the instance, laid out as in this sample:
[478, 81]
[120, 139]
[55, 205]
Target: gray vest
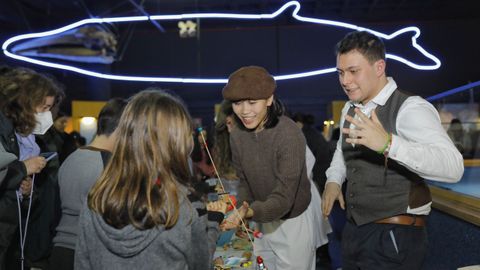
[374, 191]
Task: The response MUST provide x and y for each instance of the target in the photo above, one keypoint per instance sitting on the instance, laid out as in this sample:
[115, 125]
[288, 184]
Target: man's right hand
[35, 164]
[331, 193]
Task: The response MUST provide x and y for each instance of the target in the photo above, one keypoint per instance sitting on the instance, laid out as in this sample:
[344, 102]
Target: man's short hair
[364, 42]
[109, 116]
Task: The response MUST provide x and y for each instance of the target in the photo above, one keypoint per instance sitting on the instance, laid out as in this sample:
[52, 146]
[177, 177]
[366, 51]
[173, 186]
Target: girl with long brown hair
[138, 215]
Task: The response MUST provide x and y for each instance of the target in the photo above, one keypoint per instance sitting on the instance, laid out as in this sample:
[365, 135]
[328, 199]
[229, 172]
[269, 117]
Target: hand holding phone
[48, 155]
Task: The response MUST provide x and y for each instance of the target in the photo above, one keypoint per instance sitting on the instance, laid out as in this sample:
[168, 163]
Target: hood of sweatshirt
[127, 241]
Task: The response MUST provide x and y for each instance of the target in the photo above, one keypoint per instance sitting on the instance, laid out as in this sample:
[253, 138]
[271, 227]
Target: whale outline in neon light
[295, 15]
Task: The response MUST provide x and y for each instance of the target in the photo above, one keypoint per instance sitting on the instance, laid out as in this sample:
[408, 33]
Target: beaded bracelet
[387, 151]
[386, 146]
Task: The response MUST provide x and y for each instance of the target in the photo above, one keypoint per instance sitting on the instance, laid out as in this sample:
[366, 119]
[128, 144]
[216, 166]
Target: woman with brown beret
[268, 153]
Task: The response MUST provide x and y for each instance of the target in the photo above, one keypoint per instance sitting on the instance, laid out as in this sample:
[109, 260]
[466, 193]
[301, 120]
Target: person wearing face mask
[25, 101]
[57, 140]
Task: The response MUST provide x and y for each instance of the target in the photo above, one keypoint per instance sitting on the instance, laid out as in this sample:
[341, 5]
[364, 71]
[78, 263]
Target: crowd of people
[133, 197]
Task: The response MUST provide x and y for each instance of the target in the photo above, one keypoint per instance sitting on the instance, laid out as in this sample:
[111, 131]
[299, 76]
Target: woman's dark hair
[225, 110]
[222, 152]
[274, 112]
[22, 90]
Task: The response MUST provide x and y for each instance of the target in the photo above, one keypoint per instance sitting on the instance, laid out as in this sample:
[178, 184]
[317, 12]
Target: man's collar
[385, 93]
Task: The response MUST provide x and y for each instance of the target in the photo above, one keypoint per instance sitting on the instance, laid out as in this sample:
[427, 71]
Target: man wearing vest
[390, 143]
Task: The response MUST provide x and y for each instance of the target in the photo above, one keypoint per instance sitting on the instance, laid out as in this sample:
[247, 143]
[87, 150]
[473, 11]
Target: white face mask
[44, 122]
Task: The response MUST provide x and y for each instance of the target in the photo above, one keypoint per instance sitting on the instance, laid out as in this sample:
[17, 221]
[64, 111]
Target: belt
[404, 220]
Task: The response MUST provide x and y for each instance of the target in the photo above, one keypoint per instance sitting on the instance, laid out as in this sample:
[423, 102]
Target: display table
[235, 255]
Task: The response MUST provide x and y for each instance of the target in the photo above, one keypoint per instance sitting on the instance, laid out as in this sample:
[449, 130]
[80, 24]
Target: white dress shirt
[421, 144]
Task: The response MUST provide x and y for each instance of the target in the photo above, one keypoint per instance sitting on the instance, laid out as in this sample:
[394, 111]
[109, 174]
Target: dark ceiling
[21, 15]
[441, 19]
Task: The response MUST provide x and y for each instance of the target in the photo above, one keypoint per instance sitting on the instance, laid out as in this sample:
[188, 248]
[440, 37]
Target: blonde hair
[154, 140]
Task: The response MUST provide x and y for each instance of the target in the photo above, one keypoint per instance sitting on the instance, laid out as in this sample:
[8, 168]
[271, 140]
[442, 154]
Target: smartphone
[48, 155]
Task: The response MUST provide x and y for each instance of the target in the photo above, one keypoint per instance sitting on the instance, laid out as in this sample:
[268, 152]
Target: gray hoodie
[184, 246]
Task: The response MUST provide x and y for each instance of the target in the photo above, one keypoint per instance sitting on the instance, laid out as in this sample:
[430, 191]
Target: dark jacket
[44, 212]
[8, 200]
[323, 155]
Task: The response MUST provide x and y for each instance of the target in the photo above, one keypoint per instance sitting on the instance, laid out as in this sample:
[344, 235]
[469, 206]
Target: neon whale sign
[415, 30]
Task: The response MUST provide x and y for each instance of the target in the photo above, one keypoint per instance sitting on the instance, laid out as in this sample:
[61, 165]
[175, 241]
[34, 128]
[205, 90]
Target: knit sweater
[272, 170]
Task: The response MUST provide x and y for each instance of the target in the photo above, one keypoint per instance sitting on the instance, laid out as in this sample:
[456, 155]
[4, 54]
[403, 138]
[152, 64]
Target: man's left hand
[367, 132]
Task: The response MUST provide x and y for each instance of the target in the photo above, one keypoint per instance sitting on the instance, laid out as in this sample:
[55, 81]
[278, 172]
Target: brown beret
[250, 82]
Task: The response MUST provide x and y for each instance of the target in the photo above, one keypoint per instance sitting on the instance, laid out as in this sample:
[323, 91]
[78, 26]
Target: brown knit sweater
[272, 170]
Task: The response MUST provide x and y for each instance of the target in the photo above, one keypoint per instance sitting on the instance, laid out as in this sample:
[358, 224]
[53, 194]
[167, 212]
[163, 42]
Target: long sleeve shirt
[272, 171]
[421, 143]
